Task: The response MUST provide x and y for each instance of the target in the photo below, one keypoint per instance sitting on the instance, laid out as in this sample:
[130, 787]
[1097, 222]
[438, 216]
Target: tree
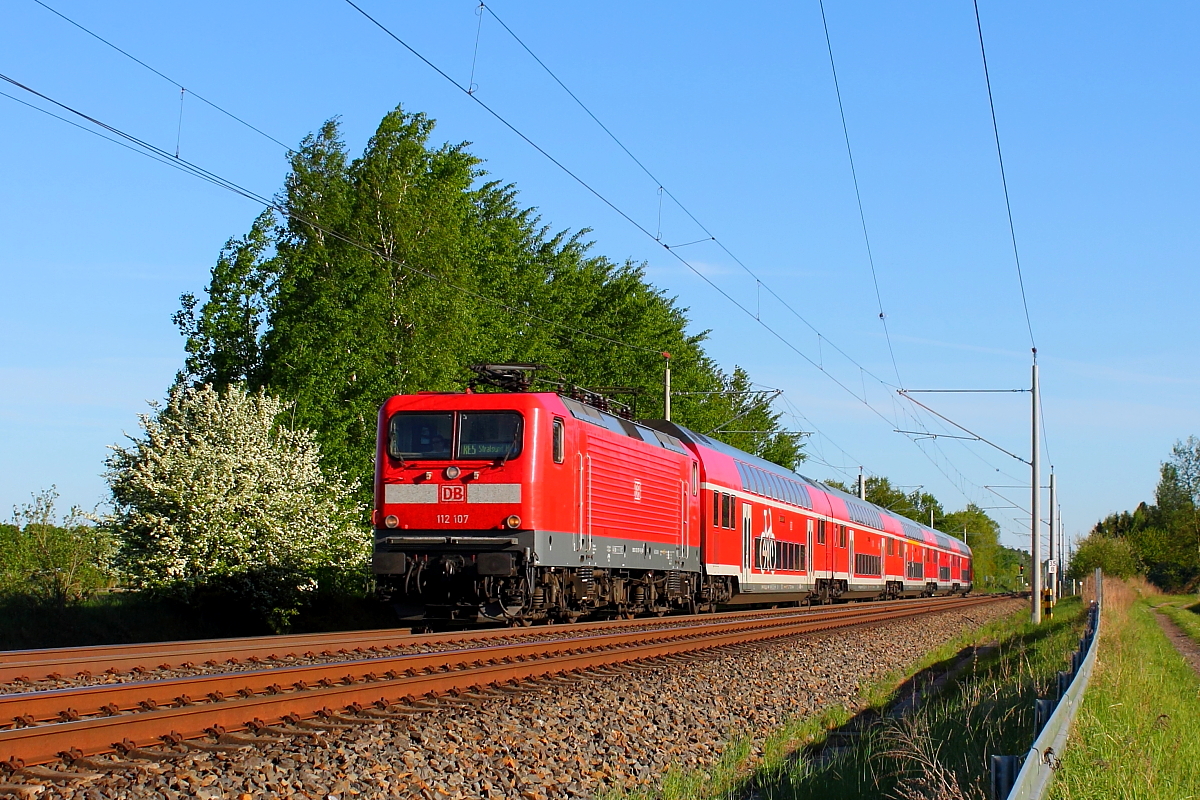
[982, 533]
[220, 494]
[392, 272]
[916, 505]
[224, 341]
[1114, 556]
[51, 562]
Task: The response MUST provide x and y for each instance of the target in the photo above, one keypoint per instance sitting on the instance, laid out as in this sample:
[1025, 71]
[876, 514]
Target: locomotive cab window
[490, 435]
[560, 451]
[421, 436]
[695, 478]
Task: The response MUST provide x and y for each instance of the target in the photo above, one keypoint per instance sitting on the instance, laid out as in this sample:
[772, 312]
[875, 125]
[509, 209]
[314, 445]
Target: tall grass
[1137, 735]
[940, 750]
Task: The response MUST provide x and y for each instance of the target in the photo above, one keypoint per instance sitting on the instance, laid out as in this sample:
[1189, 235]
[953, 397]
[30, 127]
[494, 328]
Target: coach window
[891, 547]
[559, 444]
[695, 478]
[841, 535]
[716, 509]
[821, 531]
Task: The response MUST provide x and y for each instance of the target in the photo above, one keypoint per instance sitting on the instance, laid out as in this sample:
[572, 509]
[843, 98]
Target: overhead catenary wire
[661, 189]
[1012, 229]
[212, 178]
[862, 215]
[158, 154]
[166, 78]
[482, 6]
[624, 215]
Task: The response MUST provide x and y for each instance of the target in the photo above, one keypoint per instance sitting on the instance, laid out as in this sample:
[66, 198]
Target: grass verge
[941, 747]
[1137, 734]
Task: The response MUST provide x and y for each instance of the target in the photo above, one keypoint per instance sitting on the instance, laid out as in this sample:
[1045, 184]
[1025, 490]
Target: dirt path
[1186, 645]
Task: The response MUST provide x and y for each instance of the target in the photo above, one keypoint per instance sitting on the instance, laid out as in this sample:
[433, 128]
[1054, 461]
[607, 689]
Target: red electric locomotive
[520, 506]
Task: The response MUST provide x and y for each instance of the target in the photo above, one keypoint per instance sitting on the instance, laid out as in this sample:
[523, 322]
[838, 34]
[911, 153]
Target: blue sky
[736, 115]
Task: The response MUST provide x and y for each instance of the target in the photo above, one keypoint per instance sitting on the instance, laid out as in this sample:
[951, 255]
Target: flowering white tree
[220, 492]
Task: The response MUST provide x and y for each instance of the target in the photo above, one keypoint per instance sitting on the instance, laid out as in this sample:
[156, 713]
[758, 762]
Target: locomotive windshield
[420, 436]
[489, 435]
[482, 436]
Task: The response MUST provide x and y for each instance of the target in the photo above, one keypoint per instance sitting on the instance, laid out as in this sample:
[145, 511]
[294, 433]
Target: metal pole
[1062, 547]
[1035, 526]
[667, 389]
[1052, 580]
[862, 485]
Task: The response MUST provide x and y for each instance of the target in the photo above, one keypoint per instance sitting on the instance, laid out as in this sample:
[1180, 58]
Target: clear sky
[733, 109]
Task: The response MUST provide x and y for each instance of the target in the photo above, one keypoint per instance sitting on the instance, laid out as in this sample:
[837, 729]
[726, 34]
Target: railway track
[393, 679]
[60, 664]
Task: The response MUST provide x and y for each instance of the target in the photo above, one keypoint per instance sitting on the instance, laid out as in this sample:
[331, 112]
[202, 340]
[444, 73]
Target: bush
[1114, 556]
[220, 498]
[51, 563]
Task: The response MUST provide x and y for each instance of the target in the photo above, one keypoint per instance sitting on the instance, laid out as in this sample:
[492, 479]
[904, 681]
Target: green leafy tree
[225, 337]
[916, 505]
[982, 533]
[220, 495]
[1008, 575]
[52, 562]
[1113, 555]
[390, 273]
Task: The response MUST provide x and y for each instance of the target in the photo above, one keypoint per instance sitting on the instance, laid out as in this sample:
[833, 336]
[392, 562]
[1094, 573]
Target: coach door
[747, 539]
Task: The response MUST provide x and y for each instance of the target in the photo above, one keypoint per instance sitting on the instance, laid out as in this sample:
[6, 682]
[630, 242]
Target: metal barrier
[1028, 777]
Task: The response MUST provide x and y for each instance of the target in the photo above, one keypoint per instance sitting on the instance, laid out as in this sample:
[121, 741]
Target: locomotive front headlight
[453, 472]
[513, 521]
[391, 520]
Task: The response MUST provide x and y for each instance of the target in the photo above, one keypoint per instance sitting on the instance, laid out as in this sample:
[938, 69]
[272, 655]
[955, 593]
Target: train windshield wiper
[512, 445]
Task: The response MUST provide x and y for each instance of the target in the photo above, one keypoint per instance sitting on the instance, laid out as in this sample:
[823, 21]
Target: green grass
[987, 708]
[1137, 735]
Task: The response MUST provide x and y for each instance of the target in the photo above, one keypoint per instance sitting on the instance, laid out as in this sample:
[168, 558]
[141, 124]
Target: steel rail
[45, 743]
[50, 664]
[27, 708]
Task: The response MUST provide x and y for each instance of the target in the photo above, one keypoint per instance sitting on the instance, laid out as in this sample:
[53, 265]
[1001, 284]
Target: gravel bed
[557, 740]
[545, 633]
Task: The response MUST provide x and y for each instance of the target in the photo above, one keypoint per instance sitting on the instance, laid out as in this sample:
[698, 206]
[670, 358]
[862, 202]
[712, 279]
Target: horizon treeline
[1160, 540]
[391, 272]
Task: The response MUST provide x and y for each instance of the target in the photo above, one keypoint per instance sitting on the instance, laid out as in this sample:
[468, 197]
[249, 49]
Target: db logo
[637, 491]
[452, 493]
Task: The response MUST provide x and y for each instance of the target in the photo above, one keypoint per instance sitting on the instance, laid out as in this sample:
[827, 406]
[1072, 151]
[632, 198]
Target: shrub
[219, 496]
[1115, 557]
[48, 562]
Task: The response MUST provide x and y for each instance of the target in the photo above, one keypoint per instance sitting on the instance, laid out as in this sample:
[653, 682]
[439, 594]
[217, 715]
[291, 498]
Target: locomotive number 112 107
[447, 519]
